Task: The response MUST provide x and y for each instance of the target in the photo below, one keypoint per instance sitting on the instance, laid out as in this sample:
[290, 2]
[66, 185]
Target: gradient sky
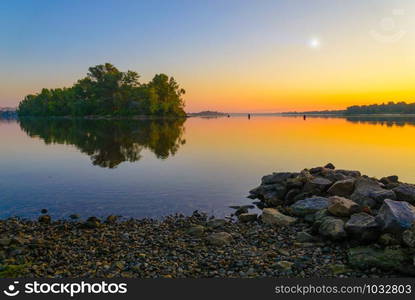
[234, 56]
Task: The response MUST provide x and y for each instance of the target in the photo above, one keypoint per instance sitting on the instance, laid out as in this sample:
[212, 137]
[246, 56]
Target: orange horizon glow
[275, 56]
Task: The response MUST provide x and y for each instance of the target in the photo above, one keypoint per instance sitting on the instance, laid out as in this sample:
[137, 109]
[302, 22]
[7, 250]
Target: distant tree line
[107, 91]
[385, 108]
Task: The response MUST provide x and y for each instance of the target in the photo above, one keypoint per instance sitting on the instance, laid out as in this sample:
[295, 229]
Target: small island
[7, 112]
[208, 114]
[108, 92]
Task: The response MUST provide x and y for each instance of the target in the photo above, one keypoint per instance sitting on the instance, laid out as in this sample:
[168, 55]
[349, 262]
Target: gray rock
[343, 188]
[275, 196]
[220, 239]
[244, 218]
[305, 237]
[342, 207]
[290, 196]
[309, 205]
[317, 185]
[295, 182]
[380, 195]
[332, 228]
[363, 227]
[405, 192]
[276, 177]
[364, 187]
[396, 216]
[274, 217]
[302, 196]
[368, 257]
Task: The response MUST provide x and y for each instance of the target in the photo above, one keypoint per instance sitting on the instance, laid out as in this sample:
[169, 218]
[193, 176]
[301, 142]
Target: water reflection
[383, 120]
[110, 142]
[388, 121]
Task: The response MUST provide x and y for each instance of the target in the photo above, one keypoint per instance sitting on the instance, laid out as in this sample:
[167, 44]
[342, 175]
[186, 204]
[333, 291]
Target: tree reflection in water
[110, 142]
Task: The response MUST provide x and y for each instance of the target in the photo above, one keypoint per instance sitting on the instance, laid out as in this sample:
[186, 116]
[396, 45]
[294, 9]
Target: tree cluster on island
[106, 91]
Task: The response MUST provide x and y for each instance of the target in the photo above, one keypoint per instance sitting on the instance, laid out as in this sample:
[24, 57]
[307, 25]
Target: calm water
[155, 168]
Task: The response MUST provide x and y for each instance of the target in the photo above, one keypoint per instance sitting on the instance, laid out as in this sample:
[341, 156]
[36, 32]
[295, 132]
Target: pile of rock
[344, 205]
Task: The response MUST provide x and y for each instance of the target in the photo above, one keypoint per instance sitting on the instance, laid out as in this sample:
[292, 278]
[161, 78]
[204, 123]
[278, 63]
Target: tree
[107, 91]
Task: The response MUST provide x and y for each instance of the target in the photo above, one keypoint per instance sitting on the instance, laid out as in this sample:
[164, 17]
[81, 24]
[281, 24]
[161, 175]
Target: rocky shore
[320, 222]
[374, 218]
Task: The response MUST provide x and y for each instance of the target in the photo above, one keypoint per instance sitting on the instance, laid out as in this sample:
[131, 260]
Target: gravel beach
[175, 247]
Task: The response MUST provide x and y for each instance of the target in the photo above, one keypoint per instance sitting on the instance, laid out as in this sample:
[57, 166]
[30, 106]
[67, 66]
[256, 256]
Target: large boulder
[405, 192]
[363, 227]
[309, 205]
[274, 217]
[342, 207]
[332, 228]
[317, 185]
[277, 177]
[396, 216]
[296, 182]
[275, 196]
[271, 194]
[291, 196]
[380, 195]
[364, 188]
[368, 257]
[343, 188]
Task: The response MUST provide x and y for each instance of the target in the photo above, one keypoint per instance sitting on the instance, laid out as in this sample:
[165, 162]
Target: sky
[229, 55]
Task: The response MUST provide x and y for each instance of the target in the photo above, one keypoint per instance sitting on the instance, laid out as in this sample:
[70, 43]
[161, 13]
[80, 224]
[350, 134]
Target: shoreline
[319, 222]
[175, 247]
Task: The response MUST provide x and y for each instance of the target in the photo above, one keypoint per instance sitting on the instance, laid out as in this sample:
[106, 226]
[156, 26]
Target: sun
[314, 43]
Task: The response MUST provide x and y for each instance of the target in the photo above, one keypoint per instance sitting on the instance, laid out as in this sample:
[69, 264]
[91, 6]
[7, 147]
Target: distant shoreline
[345, 115]
[136, 117]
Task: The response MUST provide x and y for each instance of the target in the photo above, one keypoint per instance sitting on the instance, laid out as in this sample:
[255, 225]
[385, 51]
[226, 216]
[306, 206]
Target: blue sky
[211, 47]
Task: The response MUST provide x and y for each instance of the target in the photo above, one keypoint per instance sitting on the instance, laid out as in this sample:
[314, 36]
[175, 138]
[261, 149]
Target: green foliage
[106, 91]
